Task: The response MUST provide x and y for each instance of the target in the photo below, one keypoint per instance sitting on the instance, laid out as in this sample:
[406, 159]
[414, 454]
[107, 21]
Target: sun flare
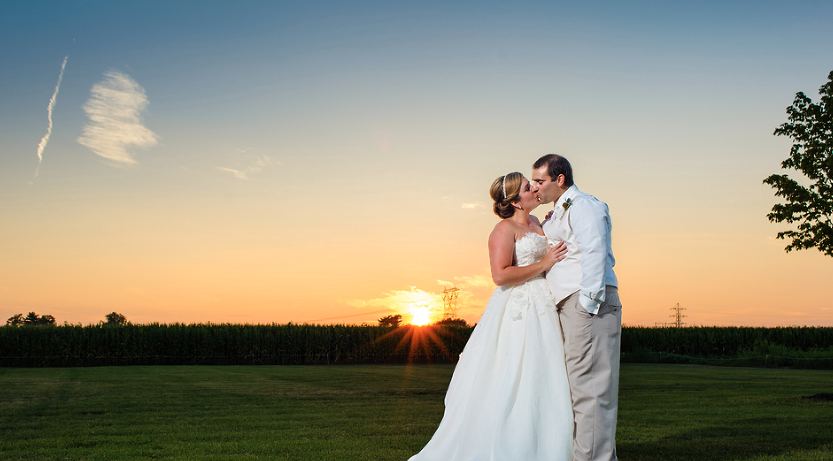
[421, 316]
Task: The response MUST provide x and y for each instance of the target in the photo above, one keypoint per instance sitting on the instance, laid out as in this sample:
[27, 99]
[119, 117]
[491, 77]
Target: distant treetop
[115, 319]
[390, 321]
[31, 319]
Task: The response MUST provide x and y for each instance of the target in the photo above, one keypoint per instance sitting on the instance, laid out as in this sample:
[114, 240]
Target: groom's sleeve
[590, 225]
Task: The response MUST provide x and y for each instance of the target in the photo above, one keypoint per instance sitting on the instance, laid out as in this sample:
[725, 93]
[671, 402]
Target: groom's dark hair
[556, 165]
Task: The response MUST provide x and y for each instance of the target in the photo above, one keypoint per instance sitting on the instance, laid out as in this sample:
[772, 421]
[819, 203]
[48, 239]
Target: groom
[586, 294]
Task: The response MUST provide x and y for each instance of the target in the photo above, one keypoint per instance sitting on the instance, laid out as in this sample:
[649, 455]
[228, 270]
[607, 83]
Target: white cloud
[403, 301]
[260, 163]
[114, 110]
[45, 139]
[472, 206]
[237, 174]
[475, 281]
[246, 164]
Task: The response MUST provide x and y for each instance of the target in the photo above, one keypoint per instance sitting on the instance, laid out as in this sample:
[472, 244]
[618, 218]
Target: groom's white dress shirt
[588, 267]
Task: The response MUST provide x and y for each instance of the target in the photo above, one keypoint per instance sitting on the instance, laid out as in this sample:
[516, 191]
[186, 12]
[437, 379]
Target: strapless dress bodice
[530, 248]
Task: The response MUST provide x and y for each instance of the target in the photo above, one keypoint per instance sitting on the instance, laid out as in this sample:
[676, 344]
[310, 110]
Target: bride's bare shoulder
[504, 225]
[503, 230]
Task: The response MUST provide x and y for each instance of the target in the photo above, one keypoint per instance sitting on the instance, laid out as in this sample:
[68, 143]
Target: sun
[421, 316]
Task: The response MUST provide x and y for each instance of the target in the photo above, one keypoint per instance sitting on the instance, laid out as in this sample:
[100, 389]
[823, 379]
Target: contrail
[45, 139]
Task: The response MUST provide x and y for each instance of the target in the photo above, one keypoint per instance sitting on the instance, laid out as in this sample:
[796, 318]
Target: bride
[509, 399]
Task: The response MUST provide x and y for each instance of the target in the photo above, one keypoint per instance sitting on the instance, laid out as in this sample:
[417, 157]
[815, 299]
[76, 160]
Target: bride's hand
[554, 254]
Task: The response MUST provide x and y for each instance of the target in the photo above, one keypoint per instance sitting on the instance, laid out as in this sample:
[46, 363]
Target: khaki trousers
[591, 346]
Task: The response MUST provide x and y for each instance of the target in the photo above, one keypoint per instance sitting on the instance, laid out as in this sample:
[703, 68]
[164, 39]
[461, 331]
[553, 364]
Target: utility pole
[450, 303]
[678, 316]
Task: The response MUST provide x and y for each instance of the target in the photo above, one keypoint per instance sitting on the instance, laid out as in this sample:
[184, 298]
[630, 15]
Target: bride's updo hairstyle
[504, 191]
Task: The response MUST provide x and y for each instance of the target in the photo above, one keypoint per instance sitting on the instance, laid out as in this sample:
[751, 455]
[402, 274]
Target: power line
[770, 316]
[347, 316]
[756, 314]
[677, 316]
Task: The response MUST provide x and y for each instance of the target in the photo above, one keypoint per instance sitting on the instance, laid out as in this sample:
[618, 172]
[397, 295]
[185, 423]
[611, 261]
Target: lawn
[383, 412]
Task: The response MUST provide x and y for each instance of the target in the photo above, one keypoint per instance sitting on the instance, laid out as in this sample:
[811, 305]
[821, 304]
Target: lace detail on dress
[528, 250]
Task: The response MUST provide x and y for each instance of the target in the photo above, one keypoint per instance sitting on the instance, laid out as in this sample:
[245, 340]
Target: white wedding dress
[509, 399]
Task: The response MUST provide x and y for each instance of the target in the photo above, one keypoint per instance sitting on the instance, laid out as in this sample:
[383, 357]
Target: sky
[329, 162]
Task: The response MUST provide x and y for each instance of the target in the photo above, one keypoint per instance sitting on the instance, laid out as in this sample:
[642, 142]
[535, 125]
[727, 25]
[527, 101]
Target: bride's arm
[501, 252]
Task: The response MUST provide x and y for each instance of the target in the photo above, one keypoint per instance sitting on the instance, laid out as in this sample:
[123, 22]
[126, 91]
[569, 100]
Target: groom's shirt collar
[571, 192]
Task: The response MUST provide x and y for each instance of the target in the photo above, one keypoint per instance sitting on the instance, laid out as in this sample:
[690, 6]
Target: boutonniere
[566, 205]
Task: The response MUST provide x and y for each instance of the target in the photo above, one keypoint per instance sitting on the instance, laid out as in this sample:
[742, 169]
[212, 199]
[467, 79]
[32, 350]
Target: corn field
[227, 344]
[796, 347]
[235, 344]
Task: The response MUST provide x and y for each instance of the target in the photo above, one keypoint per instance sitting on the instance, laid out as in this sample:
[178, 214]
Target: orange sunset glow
[330, 163]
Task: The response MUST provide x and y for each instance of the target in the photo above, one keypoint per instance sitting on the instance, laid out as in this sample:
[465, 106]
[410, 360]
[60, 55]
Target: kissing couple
[539, 377]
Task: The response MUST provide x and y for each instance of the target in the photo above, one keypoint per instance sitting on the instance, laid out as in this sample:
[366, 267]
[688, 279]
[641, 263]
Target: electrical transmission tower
[678, 316]
[450, 303]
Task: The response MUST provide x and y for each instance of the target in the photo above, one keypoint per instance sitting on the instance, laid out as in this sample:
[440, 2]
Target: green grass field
[383, 412]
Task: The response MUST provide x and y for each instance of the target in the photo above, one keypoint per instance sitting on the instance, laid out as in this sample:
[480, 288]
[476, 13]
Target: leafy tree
[452, 322]
[115, 319]
[31, 319]
[15, 320]
[46, 320]
[34, 319]
[810, 126]
[390, 321]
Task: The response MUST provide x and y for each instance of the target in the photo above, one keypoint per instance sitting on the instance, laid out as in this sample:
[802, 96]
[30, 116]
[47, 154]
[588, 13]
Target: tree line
[396, 320]
[33, 319]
